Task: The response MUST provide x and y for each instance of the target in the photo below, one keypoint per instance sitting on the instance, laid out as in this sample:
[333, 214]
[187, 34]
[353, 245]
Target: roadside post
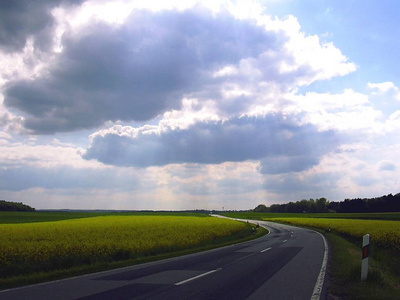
[365, 257]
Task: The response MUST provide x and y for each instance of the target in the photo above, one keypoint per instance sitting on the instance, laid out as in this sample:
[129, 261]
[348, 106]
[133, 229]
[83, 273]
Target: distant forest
[387, 203]
[14, 206]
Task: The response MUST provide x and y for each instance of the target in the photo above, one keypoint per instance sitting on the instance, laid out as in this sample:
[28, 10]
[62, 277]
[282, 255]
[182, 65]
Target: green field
[33, 244]
[48, 216]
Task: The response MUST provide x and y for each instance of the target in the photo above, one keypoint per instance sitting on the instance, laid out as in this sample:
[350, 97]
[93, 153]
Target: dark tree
[14, 206]
[261, 208]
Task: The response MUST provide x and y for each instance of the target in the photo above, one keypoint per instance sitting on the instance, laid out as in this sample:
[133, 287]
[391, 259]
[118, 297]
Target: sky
[176, 105]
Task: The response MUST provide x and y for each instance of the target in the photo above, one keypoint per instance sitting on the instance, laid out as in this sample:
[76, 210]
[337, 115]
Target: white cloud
[25, 153]
[9, 122]
[392, 124]
[226, 71]
[387, 165]
[385, 87]
[192, 111]
[323, 60]
[348, 111]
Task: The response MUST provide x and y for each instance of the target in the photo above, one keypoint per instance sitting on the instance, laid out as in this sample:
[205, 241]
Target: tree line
[319, 205]
[14, 206]
[387, 203]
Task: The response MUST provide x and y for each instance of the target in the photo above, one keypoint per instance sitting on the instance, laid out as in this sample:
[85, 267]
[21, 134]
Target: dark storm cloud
[239, 139]
[22, 19]
[135, 71]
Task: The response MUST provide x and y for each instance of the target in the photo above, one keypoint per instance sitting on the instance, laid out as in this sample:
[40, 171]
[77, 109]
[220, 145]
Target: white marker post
[365, 257]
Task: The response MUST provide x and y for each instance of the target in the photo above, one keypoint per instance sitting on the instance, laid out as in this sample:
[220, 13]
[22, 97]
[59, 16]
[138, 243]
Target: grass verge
[344, 280]
[250, 232]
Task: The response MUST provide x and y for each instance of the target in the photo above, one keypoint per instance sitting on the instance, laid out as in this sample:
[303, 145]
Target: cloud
[213, 142]
[24, 19]
[8, 121]
[346, 111]
[144, 67]
[229, 178]
[386, 97]
[132, 72]
[386, 166]
[305, 185]
[285, 164]
[385, 87]
[67, 177]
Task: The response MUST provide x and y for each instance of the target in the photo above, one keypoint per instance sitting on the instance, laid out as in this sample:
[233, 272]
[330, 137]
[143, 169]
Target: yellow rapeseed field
[383, 233]
[46, 246]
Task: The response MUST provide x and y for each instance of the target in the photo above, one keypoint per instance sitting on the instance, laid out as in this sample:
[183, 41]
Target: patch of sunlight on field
[47, 246]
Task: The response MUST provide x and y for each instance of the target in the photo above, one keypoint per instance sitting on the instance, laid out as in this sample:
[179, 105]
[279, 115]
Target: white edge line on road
[321, 277]
[196, 277]
[266, 249]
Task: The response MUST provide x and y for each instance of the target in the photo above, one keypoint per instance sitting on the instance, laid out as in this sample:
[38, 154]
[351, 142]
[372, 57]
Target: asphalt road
[285, 264]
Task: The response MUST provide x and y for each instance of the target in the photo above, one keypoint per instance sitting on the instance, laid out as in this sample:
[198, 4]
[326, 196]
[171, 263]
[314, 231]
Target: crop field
[383, 233]
[46, 246]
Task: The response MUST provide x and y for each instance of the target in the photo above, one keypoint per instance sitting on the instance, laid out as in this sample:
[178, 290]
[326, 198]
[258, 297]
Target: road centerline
[266, 250]
[197, 277]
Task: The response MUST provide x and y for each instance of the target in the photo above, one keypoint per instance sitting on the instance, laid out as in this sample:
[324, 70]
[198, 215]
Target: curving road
[288, 263]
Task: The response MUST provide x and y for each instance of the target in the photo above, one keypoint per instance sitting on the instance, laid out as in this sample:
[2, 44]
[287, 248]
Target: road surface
[285, 264]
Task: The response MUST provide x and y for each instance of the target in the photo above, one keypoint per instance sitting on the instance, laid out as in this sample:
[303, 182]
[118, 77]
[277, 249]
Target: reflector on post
[365, 257]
